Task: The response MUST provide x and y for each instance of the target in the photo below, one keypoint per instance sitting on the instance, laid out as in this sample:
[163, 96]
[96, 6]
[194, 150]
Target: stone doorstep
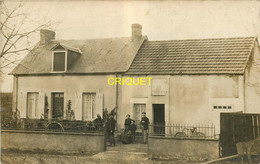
[138, 137]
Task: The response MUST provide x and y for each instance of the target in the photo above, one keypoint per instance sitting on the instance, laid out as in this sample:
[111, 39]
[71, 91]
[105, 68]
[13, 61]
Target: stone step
[138, 137]
[123, 157]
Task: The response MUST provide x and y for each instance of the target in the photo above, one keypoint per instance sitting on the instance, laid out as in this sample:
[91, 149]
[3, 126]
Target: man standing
[110, 129]
[144, 125]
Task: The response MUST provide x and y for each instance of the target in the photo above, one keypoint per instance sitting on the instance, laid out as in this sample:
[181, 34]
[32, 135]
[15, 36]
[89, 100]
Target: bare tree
[16, 33]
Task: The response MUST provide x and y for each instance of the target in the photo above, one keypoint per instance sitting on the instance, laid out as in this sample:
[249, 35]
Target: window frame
[140, 114]
[66, 61]
[64, 103]
[82, 103]
[222, 107]
[27, 105]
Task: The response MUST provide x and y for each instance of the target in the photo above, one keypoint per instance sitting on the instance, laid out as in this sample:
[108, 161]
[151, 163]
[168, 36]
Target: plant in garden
[69, 112]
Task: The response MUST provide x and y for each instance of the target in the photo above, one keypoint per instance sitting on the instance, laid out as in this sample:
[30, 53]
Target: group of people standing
[130, 126]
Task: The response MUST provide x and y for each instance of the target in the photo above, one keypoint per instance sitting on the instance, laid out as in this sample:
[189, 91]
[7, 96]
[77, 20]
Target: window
[220, 107]
[89, 106]
[32, 105]
[137, 113]
[59, 61]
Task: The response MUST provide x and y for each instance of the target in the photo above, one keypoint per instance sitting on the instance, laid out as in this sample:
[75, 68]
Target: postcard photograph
[127, 81]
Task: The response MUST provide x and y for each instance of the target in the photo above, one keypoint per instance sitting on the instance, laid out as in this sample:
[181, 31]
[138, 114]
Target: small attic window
[59, 61]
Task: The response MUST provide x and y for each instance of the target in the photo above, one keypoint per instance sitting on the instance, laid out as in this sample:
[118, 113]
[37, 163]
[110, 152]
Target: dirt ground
[109, 157]
[120, 154]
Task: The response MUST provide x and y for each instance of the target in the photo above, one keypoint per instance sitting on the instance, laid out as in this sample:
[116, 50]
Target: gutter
[66, 73]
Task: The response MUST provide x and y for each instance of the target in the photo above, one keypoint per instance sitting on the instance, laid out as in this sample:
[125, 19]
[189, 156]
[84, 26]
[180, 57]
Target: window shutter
[99, 104]
[78, 106]
[40, 110]
[22, 107]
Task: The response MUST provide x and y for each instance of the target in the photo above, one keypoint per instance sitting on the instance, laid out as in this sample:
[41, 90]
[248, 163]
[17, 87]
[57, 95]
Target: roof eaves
[66, 73]
[250, 53]
[180, 74]
[74, 49]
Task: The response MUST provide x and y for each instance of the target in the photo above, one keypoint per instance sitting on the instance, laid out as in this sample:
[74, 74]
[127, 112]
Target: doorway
[57, 105]
[159, 119]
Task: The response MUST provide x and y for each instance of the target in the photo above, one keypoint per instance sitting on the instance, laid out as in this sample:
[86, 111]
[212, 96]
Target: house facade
[191, 81]
[56, 72]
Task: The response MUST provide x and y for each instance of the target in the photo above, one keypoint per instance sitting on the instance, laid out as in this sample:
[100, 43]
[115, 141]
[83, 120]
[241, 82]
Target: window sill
[58, 72]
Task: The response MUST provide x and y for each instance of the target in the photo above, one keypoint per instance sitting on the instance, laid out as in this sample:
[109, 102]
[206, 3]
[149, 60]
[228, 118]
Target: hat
[143, 112]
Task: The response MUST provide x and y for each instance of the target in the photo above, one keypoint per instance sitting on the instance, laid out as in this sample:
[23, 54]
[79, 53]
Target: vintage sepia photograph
[130, 82]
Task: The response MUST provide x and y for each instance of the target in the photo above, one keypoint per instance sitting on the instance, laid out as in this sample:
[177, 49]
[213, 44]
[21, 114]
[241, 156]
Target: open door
[159, 119]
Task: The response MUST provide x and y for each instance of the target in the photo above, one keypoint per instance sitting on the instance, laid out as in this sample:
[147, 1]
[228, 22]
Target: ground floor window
[89, 106]
[57, 105]
[137, 113]
[32, 105]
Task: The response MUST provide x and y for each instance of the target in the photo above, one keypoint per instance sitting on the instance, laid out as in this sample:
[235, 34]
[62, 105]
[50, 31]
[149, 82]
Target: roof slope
[199, 56]
[98, 56]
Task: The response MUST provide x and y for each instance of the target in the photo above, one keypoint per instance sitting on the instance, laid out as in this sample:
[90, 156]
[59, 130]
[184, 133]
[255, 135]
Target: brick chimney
[46, 36]
[136, 32]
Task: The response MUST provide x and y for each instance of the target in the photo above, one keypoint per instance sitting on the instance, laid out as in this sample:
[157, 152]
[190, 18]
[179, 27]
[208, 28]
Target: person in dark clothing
[110, 129]
[98, 122]
[144, 125]
[133, 129]
[127, 122]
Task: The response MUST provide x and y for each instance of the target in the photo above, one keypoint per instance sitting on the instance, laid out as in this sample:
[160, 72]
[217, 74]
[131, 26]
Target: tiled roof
[97, 56]
[199, 56]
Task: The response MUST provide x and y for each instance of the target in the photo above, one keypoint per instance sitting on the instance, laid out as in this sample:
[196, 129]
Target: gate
[237, 127]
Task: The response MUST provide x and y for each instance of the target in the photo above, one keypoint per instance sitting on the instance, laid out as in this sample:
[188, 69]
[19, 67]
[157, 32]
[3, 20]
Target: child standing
[133, 129]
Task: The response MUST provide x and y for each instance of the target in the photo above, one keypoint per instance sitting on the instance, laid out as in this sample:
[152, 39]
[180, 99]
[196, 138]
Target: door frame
[161, 128]
[64, 103]
[163, 109]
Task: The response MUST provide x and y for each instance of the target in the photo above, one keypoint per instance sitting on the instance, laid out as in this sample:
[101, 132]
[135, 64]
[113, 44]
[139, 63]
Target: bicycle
[193, 133]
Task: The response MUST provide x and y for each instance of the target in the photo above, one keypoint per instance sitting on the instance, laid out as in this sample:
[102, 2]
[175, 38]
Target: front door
[159, 119]
[57, 105]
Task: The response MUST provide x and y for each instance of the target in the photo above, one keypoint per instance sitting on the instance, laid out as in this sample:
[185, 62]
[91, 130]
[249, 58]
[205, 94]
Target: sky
[161, 20]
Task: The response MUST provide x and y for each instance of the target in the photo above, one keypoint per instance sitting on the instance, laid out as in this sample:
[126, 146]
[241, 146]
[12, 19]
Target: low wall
[170, 148]
[62, 142]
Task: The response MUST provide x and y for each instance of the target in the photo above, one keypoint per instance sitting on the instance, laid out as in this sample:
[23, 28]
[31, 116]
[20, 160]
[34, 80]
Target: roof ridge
[249, 37]
[59, 40]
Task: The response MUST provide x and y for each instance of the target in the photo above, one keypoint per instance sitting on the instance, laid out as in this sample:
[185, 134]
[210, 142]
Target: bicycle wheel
[55, 126]
[200, 135]
[180, 135]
